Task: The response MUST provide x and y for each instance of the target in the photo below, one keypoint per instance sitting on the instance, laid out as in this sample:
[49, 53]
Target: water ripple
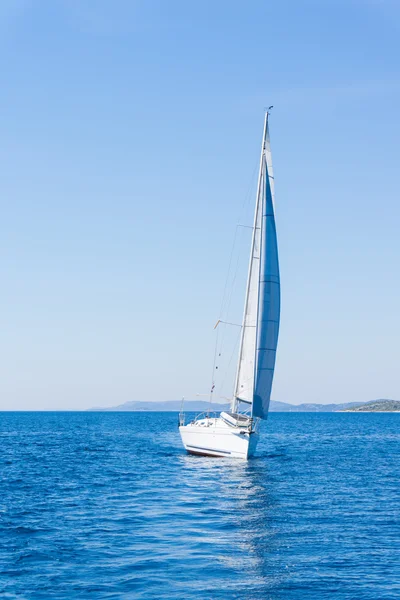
[109, 506]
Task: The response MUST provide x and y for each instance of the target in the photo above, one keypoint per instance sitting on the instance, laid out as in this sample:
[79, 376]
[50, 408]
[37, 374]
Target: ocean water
[108, 505]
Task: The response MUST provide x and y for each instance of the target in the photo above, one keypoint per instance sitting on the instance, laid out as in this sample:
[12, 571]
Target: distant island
[376, 406]
[275, 406]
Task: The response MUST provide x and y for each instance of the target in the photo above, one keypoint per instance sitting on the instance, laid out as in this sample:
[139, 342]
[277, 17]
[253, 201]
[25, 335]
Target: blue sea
[108, 505]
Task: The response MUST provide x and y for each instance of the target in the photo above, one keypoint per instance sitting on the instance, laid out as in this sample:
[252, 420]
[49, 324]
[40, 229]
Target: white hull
[213, 437]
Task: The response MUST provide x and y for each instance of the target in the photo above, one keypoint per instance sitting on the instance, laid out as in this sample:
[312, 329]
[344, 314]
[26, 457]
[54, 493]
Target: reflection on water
[110, 505]
[238, 499]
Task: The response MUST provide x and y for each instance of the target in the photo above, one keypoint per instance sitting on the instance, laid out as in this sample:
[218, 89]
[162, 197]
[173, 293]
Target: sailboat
[235, 433]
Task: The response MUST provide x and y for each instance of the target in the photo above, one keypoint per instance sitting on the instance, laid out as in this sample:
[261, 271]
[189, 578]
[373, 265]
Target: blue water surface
[108, 505]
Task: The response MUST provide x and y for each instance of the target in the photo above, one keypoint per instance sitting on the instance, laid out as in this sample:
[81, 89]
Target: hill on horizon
[376, 406]
[202, 405]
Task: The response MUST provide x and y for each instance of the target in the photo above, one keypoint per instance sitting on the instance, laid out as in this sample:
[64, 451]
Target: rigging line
[229, 303]
[235, 345]
[213, 371]
[232, 286]
[227, 297]
[228, 273]
[249, 190]
[227, 323]
[241, 212]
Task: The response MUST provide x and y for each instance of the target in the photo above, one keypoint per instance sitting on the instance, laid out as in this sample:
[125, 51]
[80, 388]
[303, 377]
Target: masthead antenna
[268, 110]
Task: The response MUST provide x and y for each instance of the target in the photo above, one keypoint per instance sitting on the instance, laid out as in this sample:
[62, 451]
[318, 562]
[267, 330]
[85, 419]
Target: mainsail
[260, 325]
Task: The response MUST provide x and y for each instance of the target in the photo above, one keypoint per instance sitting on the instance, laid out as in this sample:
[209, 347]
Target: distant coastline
[382, 405]
[376, 406]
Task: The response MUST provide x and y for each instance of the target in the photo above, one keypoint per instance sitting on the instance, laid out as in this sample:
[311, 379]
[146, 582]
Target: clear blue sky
[130, 131]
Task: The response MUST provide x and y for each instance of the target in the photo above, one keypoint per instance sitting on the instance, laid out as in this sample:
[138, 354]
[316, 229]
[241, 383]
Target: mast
[245, 373]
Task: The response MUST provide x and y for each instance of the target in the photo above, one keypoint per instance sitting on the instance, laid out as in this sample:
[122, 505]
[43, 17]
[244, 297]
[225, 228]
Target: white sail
[260, 324]
[268, 305]
[244, 386]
